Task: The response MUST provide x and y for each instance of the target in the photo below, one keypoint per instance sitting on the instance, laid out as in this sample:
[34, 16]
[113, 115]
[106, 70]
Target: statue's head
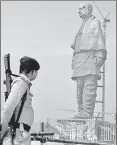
[85, 10]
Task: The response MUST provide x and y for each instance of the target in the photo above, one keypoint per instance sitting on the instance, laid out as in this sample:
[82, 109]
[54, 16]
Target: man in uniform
[28, 72]
[88, 57]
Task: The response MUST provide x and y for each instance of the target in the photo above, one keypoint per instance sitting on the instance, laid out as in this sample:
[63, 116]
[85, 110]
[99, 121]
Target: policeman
[88, 57]
[28, 72]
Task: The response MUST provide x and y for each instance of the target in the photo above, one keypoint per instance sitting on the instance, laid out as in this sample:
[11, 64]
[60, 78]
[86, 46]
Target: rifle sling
[21, 107]
[15, 123]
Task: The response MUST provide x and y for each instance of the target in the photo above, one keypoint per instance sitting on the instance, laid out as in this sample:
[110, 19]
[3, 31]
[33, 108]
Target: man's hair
[28, 64]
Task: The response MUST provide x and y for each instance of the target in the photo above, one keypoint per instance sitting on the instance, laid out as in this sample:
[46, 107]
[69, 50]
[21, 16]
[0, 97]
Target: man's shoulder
[19, 80]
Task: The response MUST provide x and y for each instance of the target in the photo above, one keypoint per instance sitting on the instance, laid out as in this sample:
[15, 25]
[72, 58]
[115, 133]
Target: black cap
[29, 63]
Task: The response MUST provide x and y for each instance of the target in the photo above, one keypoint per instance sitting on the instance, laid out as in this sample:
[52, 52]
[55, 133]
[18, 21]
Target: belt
[26, 127]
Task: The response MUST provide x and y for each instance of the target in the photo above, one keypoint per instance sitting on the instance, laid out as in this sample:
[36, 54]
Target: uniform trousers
[22, 138]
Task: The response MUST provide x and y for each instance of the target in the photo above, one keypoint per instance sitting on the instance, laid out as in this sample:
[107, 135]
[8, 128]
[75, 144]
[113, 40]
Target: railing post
[42, 129]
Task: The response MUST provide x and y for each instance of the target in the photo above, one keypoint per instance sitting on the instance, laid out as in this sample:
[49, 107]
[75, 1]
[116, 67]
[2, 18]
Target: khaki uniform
[19, 86]
[88, 44]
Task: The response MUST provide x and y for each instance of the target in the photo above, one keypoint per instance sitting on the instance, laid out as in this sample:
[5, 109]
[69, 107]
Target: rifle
[8, 82]
[8, 73]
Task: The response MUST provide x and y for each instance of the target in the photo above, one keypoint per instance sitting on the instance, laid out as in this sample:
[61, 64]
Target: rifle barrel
[7, 62]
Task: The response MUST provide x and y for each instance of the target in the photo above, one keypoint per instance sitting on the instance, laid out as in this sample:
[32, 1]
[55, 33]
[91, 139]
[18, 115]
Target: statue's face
[84, 11]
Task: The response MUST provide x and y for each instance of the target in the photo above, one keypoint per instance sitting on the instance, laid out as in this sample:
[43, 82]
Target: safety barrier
[105, 133]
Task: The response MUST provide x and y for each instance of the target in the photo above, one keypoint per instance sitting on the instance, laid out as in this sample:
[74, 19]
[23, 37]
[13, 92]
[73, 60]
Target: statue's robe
[88, 43]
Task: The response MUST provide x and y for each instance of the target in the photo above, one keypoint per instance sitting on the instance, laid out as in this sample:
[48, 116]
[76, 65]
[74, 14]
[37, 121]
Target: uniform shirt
[19, 86]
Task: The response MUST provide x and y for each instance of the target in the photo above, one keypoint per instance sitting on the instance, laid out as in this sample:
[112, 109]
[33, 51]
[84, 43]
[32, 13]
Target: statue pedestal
[82, 129]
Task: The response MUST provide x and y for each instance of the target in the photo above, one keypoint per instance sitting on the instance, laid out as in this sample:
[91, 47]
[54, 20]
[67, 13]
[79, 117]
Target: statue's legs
[80, 93]
[89, 94]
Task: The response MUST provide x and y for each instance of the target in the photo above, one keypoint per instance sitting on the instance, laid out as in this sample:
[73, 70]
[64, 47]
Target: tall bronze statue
[88, 57]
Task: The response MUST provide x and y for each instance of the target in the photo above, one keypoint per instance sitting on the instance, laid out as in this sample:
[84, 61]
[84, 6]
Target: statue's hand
[99, 61]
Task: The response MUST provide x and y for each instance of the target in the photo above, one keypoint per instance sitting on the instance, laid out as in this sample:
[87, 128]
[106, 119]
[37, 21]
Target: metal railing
[105, 134]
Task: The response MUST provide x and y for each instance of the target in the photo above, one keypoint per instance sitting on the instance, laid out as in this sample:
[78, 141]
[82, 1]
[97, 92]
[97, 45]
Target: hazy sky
[45, 30]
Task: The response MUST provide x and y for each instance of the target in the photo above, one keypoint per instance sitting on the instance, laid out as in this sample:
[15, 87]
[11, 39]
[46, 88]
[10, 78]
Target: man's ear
[26, 71]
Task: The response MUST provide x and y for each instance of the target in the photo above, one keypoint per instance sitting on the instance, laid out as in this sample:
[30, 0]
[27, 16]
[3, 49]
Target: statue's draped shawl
[91, 37]
[83, 64]
[87, 44]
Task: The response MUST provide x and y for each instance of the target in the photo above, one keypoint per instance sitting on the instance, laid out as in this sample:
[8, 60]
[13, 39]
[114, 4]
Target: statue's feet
[82, 115]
